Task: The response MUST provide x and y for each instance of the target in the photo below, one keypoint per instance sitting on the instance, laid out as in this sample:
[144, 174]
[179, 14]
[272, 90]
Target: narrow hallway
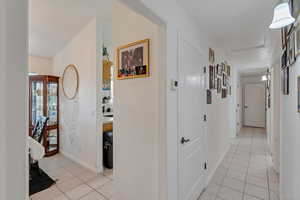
[246, 172]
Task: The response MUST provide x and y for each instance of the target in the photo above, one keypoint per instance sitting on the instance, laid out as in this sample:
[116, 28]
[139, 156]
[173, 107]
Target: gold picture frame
[133, 60]
[70, 74]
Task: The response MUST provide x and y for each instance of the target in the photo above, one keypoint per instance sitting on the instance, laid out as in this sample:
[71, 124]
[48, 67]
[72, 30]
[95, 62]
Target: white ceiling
[239, 27]
[52, 23]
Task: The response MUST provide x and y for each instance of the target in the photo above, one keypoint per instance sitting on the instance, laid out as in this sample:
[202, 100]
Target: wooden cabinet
[44, 101]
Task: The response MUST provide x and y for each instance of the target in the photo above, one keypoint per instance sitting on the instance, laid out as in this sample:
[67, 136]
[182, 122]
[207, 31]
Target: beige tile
[48, 194]
[255, 191]
[86, 175]
[98, 181]
[78, 192]
[93, 196]
[257, 181]
[229, 194]
[107, 190]
[69, 184]
[61, 197]
[247, 197]
[234, 184]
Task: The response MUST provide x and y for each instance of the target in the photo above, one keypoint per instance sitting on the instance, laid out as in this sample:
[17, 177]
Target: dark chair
[38, 134]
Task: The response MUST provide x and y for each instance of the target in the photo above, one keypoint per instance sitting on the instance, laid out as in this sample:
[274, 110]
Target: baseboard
[209, 177]
[76, 160]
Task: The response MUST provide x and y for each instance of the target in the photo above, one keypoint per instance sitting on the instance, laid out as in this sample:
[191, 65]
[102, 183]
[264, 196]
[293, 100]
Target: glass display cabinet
[44, 101]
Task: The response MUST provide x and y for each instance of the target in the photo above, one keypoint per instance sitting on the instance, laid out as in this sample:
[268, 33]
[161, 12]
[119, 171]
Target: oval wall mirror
[70, 82]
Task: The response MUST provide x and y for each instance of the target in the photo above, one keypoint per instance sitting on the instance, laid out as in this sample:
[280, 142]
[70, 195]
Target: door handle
[183, 140]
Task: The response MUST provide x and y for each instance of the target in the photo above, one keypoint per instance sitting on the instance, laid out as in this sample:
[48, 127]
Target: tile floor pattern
[74, 181]
[246, 172]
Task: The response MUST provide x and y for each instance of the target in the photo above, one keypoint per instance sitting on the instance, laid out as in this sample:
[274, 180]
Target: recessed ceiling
[52, 23]
[238, 27]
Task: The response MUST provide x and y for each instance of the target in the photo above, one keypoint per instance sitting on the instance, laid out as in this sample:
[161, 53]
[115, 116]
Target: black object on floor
[108, 149]
[39, 181]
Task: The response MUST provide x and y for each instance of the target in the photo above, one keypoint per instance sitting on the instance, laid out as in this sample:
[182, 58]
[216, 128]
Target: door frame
[244, 101]
[180, 39]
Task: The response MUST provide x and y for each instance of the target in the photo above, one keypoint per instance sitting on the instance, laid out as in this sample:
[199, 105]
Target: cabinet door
[52, 103]
[52, 141]
[37, 101]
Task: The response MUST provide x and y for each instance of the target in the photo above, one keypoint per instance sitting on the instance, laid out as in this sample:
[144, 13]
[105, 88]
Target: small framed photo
[224, 80]
[209, 96]
[219, 85]
[224, 93]
[211, 77]
[284, 59]
[297, 41]
[283, 37]
[133, 60]
[285, 74]
[228, 70]
[291, 49]
[211, 56]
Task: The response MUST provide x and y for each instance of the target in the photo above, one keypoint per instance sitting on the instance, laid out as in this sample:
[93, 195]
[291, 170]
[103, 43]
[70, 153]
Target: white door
[254, 105]
[191, 123]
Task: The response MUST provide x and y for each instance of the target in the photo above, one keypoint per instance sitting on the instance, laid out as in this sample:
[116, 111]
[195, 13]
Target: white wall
[221, 123]
[13, 99]
[78, 117]
[40, 65]
[136, 114]
[290, 140]
[177, 20]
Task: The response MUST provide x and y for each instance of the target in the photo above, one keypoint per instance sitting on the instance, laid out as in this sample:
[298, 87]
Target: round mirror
[70, 82]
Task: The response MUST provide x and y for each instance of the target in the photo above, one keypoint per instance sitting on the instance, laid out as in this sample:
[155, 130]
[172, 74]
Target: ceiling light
[282, 16]
[264, 78]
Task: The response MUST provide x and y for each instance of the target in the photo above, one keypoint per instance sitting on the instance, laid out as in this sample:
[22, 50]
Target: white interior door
[191, 124]
[254, 105]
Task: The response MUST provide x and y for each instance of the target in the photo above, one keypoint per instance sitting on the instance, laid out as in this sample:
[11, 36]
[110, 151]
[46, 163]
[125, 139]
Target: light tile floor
[244, 174]
[246, 171]
[74, 181]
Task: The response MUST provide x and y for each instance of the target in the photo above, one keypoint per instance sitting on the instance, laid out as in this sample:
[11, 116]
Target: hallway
[245, 172]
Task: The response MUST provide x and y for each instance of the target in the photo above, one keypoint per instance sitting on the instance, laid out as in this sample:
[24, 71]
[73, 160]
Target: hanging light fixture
[282, 16]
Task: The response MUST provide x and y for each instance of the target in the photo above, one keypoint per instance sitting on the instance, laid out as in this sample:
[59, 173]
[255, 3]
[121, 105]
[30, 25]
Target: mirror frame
[77, 82]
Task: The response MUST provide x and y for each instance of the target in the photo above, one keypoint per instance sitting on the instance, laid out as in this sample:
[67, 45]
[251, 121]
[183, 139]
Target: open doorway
[101, 119]
[253, 95]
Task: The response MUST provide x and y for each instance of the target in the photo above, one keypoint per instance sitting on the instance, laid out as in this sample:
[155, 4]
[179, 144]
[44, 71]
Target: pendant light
[282, 16]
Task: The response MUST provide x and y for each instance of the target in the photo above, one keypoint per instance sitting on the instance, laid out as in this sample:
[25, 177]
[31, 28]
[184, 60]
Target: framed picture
[298, 94]
[228, 71]
[211, 56]
[133, 60]
[224, 80]
[297, 41]
[211, 77]
[209, 97]
[219, 69]
[224, 93]
[283, 37]
[284, 59]
[219, 85]
[285, 81]
[291, 50]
